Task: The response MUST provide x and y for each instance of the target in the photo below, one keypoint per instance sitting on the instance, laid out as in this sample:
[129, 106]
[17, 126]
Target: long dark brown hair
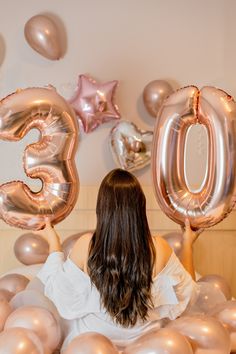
[122, 253]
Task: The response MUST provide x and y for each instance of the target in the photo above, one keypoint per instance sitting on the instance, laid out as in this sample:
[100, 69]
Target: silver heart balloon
[130, 146]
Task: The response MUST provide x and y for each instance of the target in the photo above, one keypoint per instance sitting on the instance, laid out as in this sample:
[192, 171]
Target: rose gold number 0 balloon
[51, 158]
[216, 110]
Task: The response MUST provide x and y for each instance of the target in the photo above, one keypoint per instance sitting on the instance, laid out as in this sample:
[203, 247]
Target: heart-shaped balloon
[130, 146]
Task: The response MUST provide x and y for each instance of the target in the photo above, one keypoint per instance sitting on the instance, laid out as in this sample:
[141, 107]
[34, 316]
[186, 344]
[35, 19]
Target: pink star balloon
[93, 102]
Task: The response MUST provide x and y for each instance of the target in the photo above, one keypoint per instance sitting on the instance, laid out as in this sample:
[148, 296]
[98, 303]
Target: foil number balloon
[51, 158]
[217, 111]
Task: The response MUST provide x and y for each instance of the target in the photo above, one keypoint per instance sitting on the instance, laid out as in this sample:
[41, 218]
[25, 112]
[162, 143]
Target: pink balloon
[39, 320]
[216, 110]
[43, 36]
[165, 340]
[206, 334]
[154, 94]
[219, 283]
[5, 310]
[175, 240]
[91, 343]
[51, 158]
[94, 102]
[13, 282]
[69, 242]
[31, 249]
[6, 295]
[226, 314]
[20, 341]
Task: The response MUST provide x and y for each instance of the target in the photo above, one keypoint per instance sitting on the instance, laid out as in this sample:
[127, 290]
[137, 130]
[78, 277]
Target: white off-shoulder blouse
[78, 300]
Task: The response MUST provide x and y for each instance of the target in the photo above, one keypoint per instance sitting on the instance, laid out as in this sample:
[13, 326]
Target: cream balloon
[216, 110]
[164, 340]
[39, 320]
[43, 36]
[154, 94]
[20, 341]
[91, 343]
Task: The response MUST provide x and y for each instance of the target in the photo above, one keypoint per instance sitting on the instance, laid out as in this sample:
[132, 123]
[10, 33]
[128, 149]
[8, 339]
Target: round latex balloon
[175, 240]
[28, 272]
[39, 320]
[130, 146]
[206, 334]
[216, 110]
[164, 340]
[69, 242]
[31, 249]
[6, 295]
[43, 36]
[154, 94]
[20, 341]
[91, 343]
[226, 314]
[14, 283]
[5, 310]
[219, 283]
[51, 159]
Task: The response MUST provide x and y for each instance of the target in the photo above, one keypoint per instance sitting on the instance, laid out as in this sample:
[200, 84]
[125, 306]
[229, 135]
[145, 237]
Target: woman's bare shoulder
[163, 253]
[79, 253]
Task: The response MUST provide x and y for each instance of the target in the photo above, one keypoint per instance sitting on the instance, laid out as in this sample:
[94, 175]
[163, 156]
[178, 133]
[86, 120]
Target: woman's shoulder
[79, 252]
[163, 254]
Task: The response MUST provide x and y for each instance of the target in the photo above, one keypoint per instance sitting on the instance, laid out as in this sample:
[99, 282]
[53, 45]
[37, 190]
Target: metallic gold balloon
[13, 282]
[51, 159]
[31, 249]
[91, 343]
[206, 334]
[164, 340]
[130, 146]
[219, 283]
[5, 310]
[20, 341]
[226, 314]
[154, 94]
[39, 320]
[43, 36]
[216, 110]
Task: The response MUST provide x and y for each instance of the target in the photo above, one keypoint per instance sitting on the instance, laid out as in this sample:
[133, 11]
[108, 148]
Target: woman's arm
[186, 254]
[51, 236]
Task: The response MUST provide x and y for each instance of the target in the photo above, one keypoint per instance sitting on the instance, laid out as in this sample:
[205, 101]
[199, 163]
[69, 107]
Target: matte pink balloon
[5, 310]
[43, 36]
[94, 102]
[13, 282]
[39, 320]
[20, 341]
[219, 283]
[6, 295]
[226, 314]
[51, 158]
[175, 240]
[91, 343]
[69, 242]
[216, 110]
[31, 249]
[165, 340]
[154, 94]
[206, 334]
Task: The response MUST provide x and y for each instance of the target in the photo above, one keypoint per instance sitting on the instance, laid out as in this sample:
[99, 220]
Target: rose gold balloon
[51, 159]
[39, 320]
[31, 249]
[226, 314]
[219, 283]
[91, 343]
[13, 282]
[165, 340]
[69, 242]
[5, 310]
[29, 271]
[6, 295]
[154, 94]
[206, 334]
[175, 240]
[20, 341]
[216, 110]
[43, 36]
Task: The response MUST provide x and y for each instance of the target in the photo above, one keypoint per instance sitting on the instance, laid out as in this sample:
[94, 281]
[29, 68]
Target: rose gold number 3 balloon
[51, 158]
[216, 110]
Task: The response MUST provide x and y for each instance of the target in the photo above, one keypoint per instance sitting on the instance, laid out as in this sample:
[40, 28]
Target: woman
[119, 281]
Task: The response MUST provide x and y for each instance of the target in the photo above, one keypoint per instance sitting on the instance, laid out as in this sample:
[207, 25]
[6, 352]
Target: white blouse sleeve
[65, 285]
[172, 290]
